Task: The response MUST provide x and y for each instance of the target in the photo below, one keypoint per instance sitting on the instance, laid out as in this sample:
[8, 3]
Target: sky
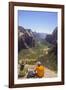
[38, 21]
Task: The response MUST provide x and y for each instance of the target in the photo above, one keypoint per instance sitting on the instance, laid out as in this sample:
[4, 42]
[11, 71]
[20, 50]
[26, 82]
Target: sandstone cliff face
[25, 38]
[53, 37]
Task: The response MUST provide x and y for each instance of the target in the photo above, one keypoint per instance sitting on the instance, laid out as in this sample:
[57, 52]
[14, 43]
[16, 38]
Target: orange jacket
[40, 71]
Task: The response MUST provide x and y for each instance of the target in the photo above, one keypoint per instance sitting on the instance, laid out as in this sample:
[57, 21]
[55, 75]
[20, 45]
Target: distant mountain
[42, 35]
[52, 38]
[39, 36]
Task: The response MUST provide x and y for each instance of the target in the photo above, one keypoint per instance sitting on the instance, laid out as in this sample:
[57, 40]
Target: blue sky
[38, 21]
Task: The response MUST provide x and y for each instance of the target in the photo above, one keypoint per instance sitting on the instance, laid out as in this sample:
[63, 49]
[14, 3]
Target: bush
[22, 73]
[31, 62]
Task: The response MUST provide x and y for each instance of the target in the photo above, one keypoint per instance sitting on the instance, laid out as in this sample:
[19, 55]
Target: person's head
[38, 63]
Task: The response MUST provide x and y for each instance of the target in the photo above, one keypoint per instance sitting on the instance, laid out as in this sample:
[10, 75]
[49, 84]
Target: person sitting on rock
[39, 69]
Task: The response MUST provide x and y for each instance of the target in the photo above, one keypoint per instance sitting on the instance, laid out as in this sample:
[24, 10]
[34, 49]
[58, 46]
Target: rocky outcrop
[25, 38]
[53, 37]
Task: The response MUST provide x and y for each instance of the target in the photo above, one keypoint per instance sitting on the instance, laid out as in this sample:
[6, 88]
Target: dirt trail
[49, 73]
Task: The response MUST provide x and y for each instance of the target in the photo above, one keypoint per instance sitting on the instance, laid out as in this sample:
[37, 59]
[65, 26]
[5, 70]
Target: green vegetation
[22, 73]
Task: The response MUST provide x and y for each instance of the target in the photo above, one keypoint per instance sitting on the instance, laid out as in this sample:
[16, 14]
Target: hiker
[38, 72]
[39, 69]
